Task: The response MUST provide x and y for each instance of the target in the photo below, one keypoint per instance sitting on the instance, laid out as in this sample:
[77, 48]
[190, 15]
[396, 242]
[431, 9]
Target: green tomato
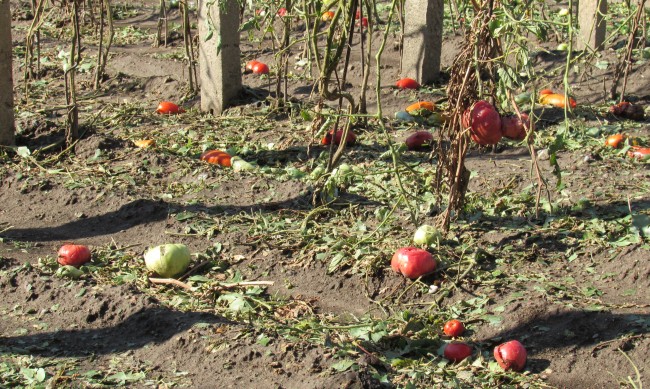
[168, 260]
[427, 235]
[563, 12]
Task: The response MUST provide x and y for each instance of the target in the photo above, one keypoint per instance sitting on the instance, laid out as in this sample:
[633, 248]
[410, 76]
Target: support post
[6, 80]
[219, 56]
[591, 21]
[422, 40]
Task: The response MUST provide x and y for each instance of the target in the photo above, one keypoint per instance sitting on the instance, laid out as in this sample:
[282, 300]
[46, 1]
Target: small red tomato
[327, 16]
[456, 352]
[419, 140]
[260, 68]
[413, 262]
[251, 64]
[169, 108]
[351, 139]
[511, 355]
[407, 83]
[454, 328]
[363, 22]
[282, 11]
[73, 254]
[358, 14]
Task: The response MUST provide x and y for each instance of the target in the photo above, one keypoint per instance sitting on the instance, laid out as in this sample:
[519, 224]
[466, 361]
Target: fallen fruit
[420, 105]
[363, 22]
[144, 143]
[169, 108]
[615, 140]
[404, 116]
[407, 83]
[545, 92]
[413, 262]
[420, 140]
[216, 157]
[167, 260]
[239, 164]
[562, 47]
[260, 68]
[73, 254]
[282, 12]
[351, 139]
[327, 16]
[513, 127]
[69, 271]
[426, 235]
[456, 351]
[639, 152]
[556, 100]
[453, 328]
[251, 64]
[484, 123]
[628, 111]
[511, 355]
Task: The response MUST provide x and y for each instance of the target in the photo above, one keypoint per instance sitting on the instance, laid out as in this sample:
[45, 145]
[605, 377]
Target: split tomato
[73, 254]
[413, 262]
[456, 351]
[169, 108]
[453, 328]
[216, 157]
[511, 355]
[407, 83]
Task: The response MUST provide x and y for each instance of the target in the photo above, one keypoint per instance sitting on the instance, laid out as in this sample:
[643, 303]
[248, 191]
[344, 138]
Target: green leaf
[343, 365]
[185, 216]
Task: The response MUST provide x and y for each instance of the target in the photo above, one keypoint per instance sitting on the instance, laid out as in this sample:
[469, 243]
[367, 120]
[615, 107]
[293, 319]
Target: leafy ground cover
[285, 293]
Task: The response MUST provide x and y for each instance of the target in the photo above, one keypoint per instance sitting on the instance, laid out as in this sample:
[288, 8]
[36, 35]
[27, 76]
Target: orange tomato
[407, 83]
[327, 16]
[429, 106]
[639, 152]
[556, 100]
[169, 108]
[615, 140]
[216, 157]
[545, 92]
[144, 143]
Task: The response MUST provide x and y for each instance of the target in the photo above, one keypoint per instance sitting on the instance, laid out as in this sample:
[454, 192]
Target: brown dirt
[112, 328]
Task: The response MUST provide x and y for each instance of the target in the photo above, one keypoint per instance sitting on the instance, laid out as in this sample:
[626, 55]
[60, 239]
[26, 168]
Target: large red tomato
[413, 262]
[485, 124]
[511, 355]
[73, 254]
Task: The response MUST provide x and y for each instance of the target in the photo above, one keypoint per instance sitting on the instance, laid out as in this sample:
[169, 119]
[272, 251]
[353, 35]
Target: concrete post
[219, 56]
[6, 81]
[591, 20]
[422, 40]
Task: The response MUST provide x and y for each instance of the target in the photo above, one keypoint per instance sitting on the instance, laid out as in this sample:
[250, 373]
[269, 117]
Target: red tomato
[545, 92]
[419, 140]
[327, 139]
[615, 140]
[251, 64]
[260, 68]
[216, 157]
[511, 355]
[169, 108]
[639, 152]
[407, 83]
[413, 262]
[485, 124]
[282, 11]
[73, 254]
[363, 22]
[456, 352]
[454, 328]
[514, 128]
[358, 14]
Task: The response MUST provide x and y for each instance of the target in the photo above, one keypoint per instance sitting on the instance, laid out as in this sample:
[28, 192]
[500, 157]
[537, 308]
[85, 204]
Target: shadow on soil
[149, 325]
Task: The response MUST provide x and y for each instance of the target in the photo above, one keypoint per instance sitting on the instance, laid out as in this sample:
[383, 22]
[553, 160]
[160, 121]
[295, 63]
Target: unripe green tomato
[427, 235]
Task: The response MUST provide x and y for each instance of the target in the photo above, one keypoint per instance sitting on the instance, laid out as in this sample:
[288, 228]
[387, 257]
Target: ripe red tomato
[454, 328]
[327, 16]
[363, 22]
[419, 140]
[514, 128]
[216, 157]
[511, 355]
[350, 140]
[407, 83]
[358, 14]
[169, 108]
[73, 254]
[260, 68]
[413, 262]
[251, 64]
[282, 11]
[485, 124]
[456, 352]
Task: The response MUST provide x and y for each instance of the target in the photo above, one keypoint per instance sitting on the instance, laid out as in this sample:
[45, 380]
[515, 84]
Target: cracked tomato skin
[457, 351]
[73, 254]
[413, 262]
[511, 355]
[454, 328]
